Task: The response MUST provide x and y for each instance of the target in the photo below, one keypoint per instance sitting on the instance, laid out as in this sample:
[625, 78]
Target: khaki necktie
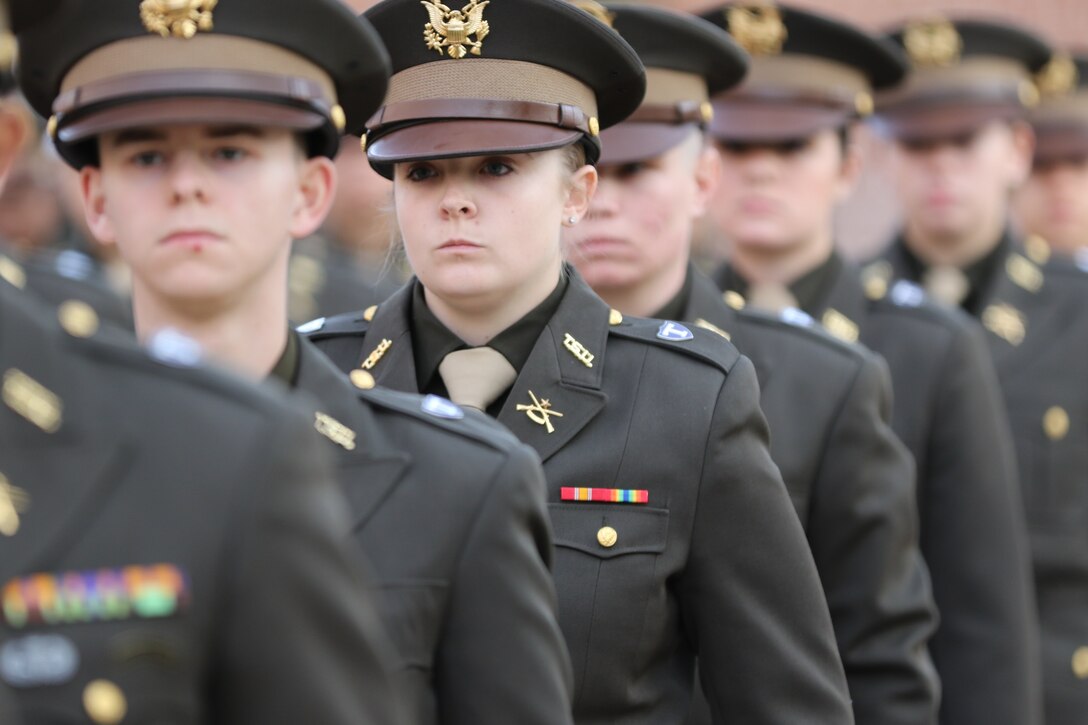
[946, 284]
[771, 297]
[477, 376]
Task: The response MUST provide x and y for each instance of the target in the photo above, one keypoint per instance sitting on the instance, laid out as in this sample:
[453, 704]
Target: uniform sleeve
[863, 529]
[299, 637]
[975, 542]
[750, 596]
[502, 635]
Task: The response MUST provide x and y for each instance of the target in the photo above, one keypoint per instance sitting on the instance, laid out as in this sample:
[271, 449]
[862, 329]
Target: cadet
[203, 190]
[961, 147]
[787, 160]
[1053, 202]
[850, 478]
[674, 533]
[171, 542]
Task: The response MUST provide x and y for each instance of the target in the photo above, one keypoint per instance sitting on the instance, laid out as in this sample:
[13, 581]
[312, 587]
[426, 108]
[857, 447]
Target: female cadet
[674, 534]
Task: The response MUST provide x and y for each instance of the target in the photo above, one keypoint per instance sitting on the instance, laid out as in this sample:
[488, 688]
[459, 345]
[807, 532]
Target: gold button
[1038, 249]
[594, 126]
[706, 111]
[1080, 663]
[734, 299]
[369, 312]
[12, 272]
[105, 702]
[607, 537]
[78, 318]
[362, 379]
[1056, 423]
[51, 126]
[615, 317]
[338, 117]
[876, 288]
[362, 142]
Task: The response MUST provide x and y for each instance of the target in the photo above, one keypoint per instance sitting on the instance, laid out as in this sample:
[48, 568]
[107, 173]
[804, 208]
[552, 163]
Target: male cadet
[961, 146]
[203, 187]
[171, 541]
[850, 478]
[787, 161]
[1053, 202]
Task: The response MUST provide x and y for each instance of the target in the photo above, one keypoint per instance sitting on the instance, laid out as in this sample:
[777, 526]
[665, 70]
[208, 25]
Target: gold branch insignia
[177, 18]
[540, 412]
[452, 29]
[757, 28]
[933, 43]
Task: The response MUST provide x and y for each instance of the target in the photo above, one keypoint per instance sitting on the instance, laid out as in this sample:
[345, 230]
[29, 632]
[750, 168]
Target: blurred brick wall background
[867, 220]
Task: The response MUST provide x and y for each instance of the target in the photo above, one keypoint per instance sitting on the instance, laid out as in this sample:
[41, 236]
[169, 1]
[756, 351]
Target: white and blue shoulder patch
[171, 347]
[312, 326]
[907, 294]
[797, 317]
[674, 332]
[439, 407]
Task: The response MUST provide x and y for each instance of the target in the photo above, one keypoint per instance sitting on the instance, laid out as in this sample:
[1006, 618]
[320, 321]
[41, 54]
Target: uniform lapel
[1005, 311]
[376, 464]
[556, 386]
[395, 367]
[70, 473]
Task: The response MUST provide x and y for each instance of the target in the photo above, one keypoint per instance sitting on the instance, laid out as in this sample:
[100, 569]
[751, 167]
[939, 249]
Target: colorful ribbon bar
[605, 495]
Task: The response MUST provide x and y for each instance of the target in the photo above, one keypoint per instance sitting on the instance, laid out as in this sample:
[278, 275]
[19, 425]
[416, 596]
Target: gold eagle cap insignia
[594, 8]
[177, 18]
[757, 28]
[453, 29]
[933, 43]
[1059, 77]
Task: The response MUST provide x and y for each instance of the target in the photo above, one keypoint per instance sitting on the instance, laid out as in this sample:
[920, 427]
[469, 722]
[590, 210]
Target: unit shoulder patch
[704, 345]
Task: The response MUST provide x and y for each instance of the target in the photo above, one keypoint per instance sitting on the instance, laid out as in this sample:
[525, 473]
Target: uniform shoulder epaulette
[800, 326]
[348, 323]
[682, 339]
[440, 413]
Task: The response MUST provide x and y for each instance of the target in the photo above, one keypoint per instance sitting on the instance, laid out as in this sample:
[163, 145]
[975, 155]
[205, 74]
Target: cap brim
[179, 110]
[1060, 142]
[634, 141]
[464, 137]
[943, 121]
[779, 121]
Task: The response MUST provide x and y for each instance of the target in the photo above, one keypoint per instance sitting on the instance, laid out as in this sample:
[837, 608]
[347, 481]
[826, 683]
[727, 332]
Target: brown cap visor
[1058, 143]
[465, 137]
[739, 120]
[178, 110]
[633, 141]
[947, 120]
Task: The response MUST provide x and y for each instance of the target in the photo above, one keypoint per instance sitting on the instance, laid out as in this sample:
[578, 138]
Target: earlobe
[582, 187]
[94, 205]
[708, 171]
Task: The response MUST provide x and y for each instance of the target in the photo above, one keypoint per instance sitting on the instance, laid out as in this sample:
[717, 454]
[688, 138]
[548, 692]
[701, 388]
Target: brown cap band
[482, 109]
[1056, 142]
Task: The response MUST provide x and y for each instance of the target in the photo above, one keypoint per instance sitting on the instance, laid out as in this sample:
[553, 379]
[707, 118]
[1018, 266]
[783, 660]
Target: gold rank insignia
[30, 399]
[13, 501]
[933, 43]
[335, 431]
[1024, 273]
[712, 327]
[1006, 322]
[177, 18]
[1058, 77]
[757, 28]
[578, 350]
[1038, 249]
[374, 357]
[540, 412]
[734, 299]
[12, 272]
[840, 325]
[452, 29]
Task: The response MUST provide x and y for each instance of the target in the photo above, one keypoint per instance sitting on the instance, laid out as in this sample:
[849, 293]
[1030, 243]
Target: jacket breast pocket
[413, 612]
[612, 586]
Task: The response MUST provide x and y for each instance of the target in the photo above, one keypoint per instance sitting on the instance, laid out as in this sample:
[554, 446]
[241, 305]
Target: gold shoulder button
[362, 379]
[1056, 423]
[615, 317]
[104, 702]
[734, 299]
[78, 318]
[875, 278]
[369, 312]
[1080, 663]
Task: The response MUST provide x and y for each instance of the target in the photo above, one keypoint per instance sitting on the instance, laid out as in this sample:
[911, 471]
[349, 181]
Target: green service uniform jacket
[1035, 313]
[828, 405]
[450, 510]
[180, 552]
[947, 410]
[713, 564]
